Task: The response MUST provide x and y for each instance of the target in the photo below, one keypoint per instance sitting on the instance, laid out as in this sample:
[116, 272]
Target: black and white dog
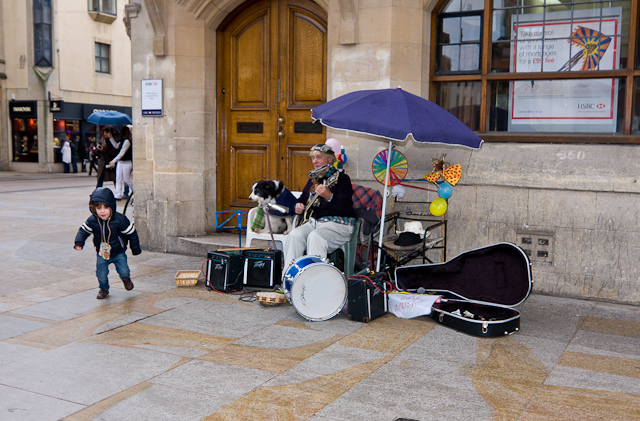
[274, 192]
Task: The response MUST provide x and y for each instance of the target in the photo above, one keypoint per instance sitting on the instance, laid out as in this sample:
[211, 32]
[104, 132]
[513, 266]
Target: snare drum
[315, 288]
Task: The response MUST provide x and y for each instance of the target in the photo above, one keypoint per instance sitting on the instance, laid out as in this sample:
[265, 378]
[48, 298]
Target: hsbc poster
[584, 44]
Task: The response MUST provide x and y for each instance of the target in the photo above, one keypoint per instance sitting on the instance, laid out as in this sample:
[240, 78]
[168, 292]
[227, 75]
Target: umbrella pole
[384, 206]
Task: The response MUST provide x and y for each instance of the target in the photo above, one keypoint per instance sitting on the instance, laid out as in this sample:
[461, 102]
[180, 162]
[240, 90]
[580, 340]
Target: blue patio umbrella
[109, 118]
[394, 114]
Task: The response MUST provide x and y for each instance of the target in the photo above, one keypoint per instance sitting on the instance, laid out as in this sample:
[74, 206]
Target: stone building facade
[61, 60]
[570, 199]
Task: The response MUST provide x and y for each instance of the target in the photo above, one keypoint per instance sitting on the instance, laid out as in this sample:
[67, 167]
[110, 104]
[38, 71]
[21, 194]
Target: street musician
[325, 210]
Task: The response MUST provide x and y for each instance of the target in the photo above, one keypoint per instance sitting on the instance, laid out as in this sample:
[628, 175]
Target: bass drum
[315, 288]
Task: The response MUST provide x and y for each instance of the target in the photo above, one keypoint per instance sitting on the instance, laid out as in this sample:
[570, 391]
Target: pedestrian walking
[65, 150]
[108, 149]
[111, 231]
[74, 155]
[124, 163]
[93, 159]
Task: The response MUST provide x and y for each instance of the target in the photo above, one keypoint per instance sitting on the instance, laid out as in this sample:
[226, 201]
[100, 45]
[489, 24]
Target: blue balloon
[445, 190]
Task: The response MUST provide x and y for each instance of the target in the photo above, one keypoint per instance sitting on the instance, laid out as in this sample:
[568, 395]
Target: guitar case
[479, 288]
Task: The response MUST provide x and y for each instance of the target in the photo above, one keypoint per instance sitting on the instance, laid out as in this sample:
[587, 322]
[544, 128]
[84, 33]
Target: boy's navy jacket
[117, 230]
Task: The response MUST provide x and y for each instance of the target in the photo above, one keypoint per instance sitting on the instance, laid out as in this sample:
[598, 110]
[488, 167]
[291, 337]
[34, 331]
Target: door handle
[281, 133]
[281, 120]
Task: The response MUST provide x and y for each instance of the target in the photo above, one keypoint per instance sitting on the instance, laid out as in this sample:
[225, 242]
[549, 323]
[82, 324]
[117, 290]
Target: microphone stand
[265, 209]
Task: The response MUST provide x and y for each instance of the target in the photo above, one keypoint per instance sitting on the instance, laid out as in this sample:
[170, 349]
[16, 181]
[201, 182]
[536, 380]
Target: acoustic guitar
[313, 196]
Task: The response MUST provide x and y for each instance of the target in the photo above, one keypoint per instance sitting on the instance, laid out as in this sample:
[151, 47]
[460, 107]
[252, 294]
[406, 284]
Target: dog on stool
[274, 192]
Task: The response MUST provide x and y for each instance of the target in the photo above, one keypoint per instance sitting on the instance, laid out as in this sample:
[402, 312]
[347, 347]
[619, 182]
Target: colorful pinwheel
[592, 45]
[397, 169]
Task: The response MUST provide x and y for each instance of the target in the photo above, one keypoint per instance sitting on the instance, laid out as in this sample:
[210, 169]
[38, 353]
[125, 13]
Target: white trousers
[124, 172]
[318, 238]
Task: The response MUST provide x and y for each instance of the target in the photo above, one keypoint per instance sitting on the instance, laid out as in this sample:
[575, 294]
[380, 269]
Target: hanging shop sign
[559, 42]
[23, 109]
[151, 97]
[56, 105]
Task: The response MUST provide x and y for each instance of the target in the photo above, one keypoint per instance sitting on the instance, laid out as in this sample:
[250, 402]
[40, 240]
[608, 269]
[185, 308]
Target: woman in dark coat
[109, 148]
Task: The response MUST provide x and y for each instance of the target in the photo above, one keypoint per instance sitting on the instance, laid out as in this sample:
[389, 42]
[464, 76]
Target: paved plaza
[162, 352]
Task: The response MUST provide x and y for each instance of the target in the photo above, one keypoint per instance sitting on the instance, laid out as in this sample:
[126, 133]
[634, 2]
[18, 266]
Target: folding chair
[252, 235]
[367, 204]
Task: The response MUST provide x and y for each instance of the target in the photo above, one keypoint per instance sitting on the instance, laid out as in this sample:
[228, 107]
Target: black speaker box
[365, 301]
[224, 271]
[262, 269]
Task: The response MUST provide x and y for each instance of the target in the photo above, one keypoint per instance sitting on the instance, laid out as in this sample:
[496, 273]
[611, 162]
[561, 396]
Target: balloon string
[416, 187]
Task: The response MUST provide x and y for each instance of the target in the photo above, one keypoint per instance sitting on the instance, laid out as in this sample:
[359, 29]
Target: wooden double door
[272, 70]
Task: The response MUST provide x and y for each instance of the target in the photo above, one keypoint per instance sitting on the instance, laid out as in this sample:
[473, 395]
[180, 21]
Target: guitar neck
[313, 198]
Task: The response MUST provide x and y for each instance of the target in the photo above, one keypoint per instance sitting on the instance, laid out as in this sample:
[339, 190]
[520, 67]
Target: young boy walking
[111, 232]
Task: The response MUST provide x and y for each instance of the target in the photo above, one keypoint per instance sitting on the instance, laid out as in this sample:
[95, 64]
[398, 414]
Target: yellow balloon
[438, 207]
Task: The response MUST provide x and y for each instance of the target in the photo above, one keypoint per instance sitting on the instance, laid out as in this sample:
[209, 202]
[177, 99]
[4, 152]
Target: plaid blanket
[367, 204]
[258, 220]
[365, 197]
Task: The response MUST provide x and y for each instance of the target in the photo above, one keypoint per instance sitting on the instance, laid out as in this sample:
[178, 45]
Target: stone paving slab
[159, 403]
[11, 325]
[227, 320]
[85, 373]
[164, 352]
[75, 305]
[22, 405]
[10, 353]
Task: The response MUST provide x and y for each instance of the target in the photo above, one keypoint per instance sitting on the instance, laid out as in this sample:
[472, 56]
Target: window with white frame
[104, 11]
[102, 54]
[103, 6]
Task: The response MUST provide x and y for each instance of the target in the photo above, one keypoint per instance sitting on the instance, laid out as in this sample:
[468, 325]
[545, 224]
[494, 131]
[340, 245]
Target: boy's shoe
[128, 285]
[102, 294]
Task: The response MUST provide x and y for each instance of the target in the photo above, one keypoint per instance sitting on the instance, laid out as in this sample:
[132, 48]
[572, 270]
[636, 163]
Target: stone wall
[575, 204]
[580, 201]
[175, 159]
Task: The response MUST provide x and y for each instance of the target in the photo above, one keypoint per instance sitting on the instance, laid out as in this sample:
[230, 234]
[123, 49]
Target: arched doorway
[272, 70]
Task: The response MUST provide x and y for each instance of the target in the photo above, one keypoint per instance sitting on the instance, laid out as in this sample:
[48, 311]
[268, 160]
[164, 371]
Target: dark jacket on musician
[340, 205]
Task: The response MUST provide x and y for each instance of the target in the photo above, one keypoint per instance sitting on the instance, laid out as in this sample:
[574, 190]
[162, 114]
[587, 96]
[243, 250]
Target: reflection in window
[561, 106]
[635, 127]
[464, 6]
[462, 99]
[102, 57]
[459, 43]
[559, 50]
[103, 6]
[559, 37]
[42, 45]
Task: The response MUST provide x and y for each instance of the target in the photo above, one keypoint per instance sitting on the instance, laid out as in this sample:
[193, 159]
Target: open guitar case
[480, 288]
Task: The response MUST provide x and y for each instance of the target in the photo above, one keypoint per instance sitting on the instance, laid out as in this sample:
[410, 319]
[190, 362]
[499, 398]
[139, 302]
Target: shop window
[72, 130]
[102, 53]
[103, 10]
[42, 46]
[25, 139]
[552, 67]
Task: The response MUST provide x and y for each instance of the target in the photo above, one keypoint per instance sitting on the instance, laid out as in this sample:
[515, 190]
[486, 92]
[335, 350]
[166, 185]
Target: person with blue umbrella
[108, 149]
[124, 163]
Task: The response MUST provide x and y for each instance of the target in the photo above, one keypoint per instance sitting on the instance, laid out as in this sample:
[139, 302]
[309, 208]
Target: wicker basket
[187, 278]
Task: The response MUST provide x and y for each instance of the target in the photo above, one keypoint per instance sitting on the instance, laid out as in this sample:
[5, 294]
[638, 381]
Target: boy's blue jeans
[102, 269]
